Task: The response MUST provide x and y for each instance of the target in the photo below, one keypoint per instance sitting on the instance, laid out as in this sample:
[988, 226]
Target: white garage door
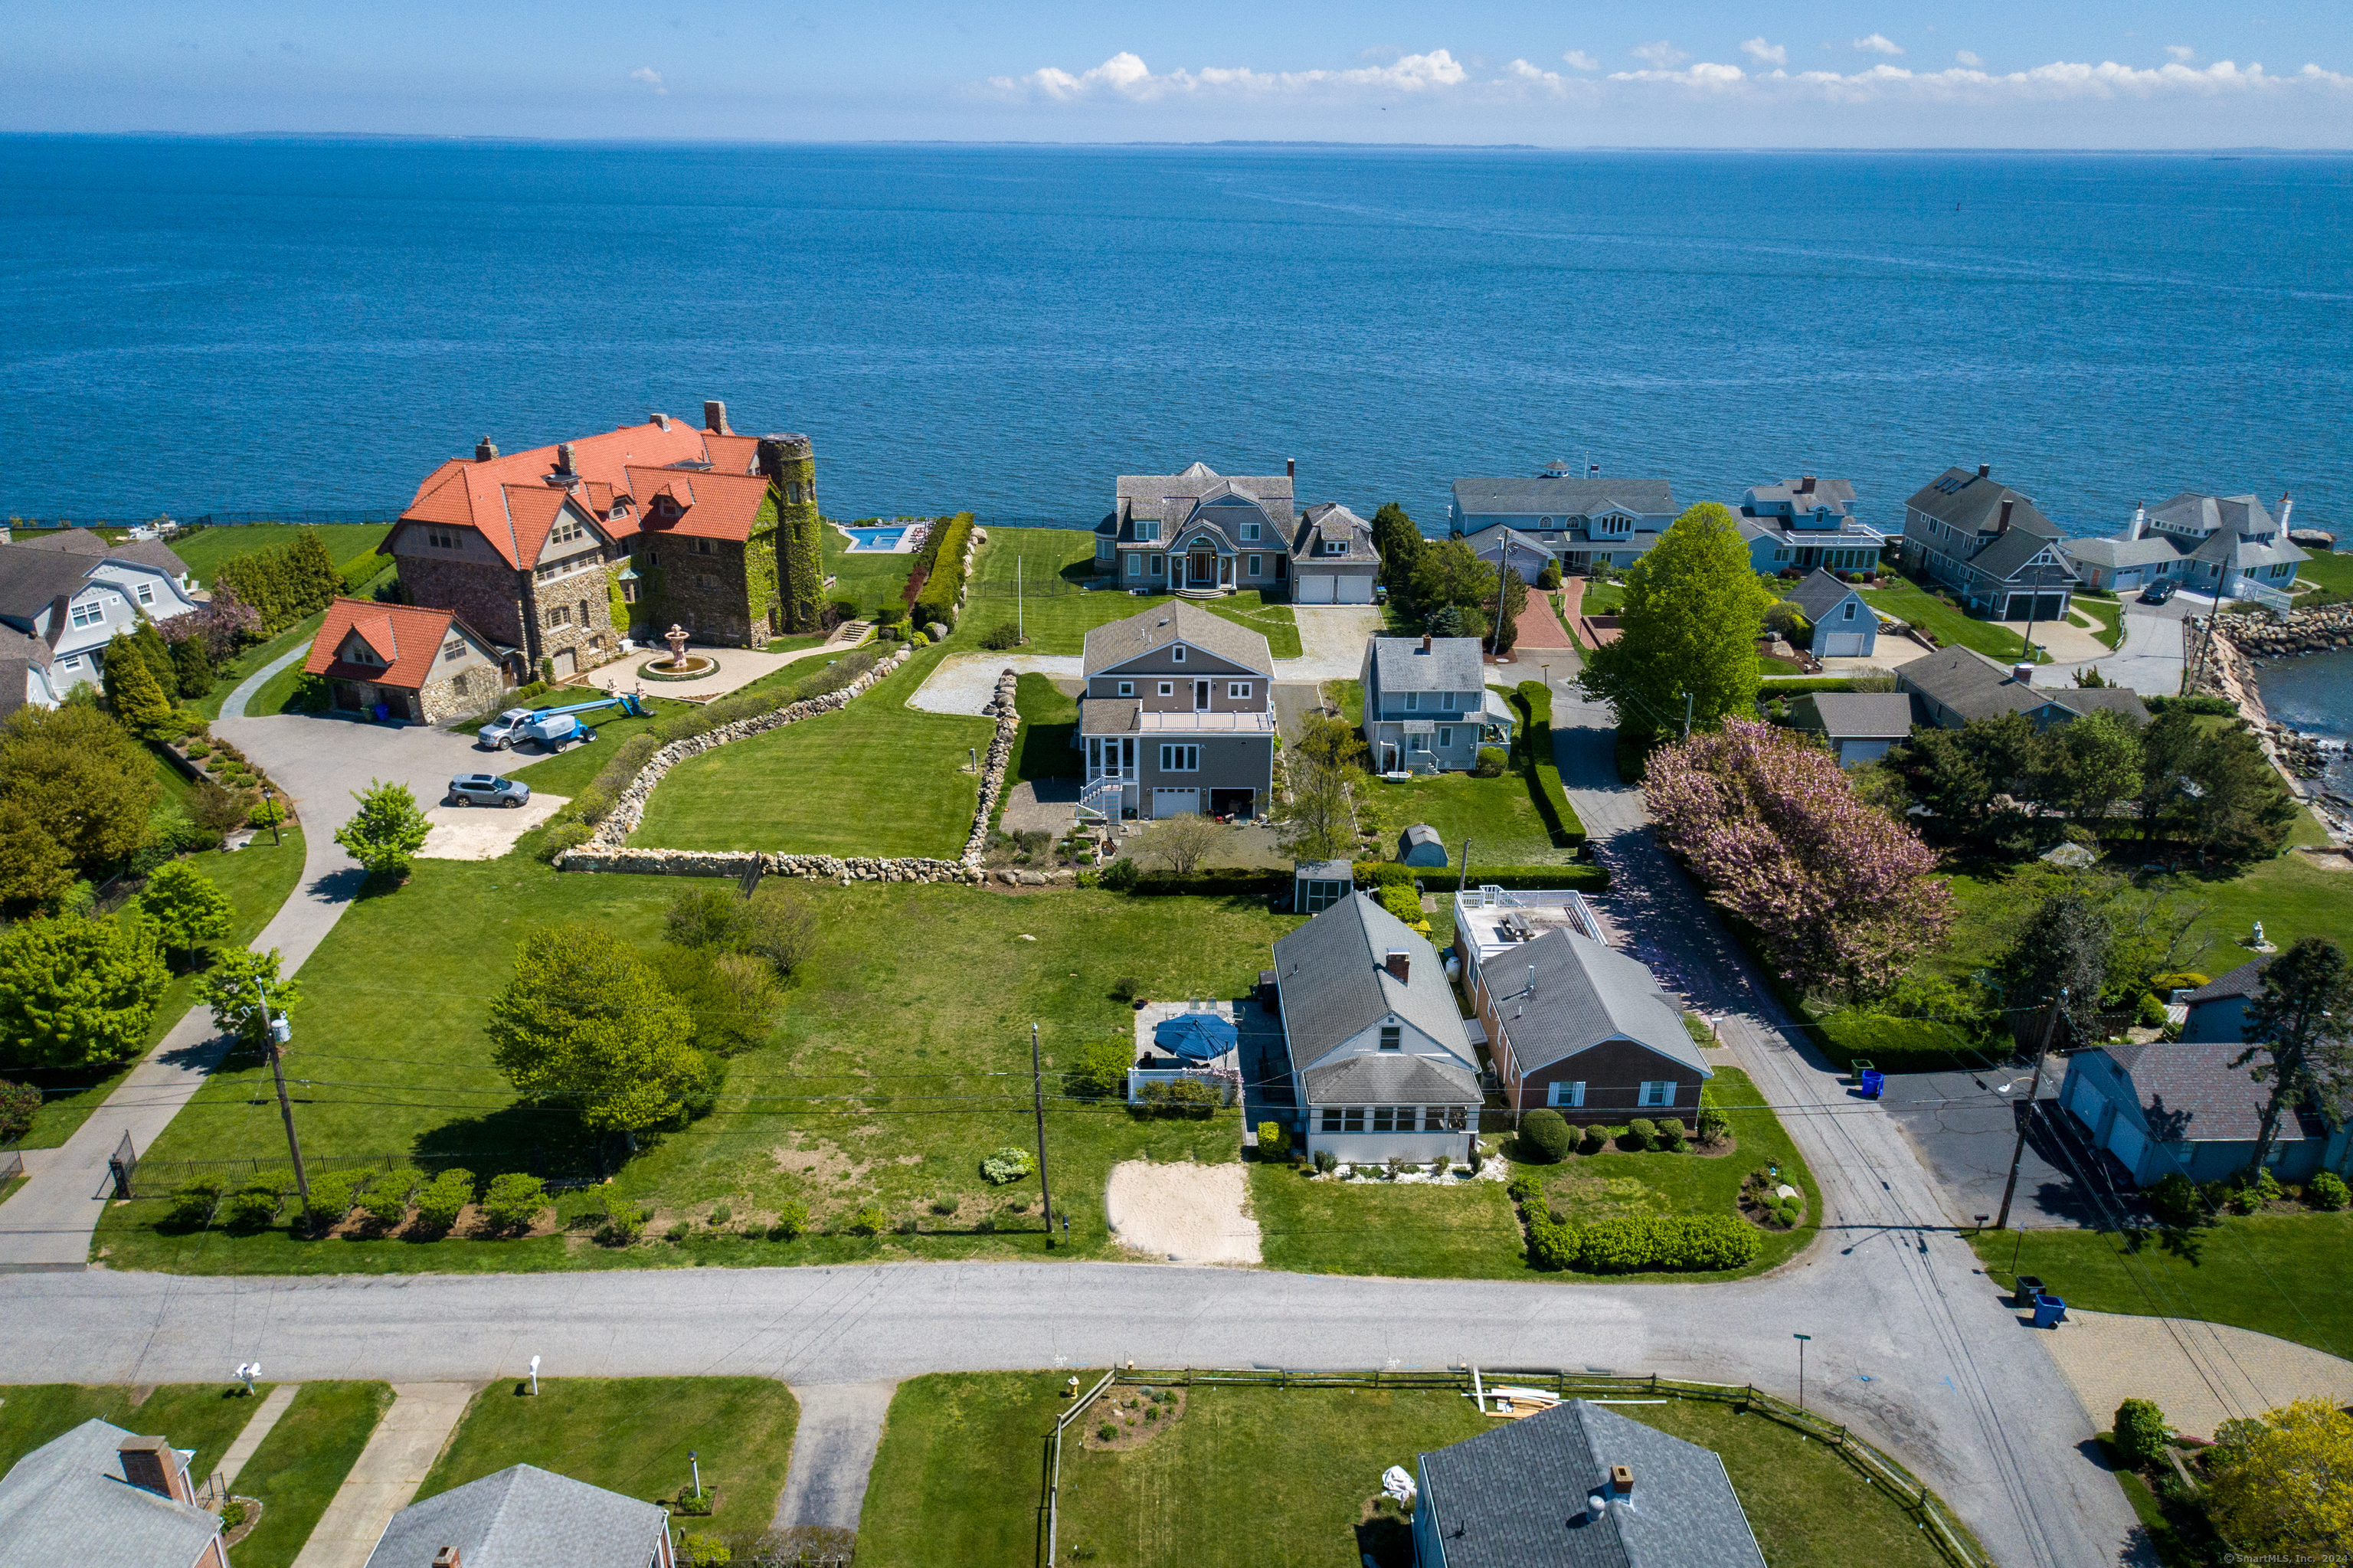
[2087, 1103]
[1354, 590]
[2128, 1144]
[1843, 645]
[1174, 802]
[1315, 588]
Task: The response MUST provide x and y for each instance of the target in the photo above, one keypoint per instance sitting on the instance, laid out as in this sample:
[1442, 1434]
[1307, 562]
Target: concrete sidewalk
[249, 1438]
[387, 1473]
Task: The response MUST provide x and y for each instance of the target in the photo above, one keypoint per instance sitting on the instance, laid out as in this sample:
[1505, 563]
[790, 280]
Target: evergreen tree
[131, 689]
[1690, 620]
[192, 666]
[1399, 544]
[2297, 1022]
[1445, 573]
[312, 571]
[158, 654]
[188, 911]
[2065, 946]
[76, 993]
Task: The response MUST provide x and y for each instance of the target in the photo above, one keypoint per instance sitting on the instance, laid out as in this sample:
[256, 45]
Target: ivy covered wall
[790, 464]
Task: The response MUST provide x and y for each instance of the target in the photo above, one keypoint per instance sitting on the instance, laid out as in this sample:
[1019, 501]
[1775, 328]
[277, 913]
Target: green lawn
[1269, 1477]
[1601, 599]
[2329, 568]
[245, 663]
[569, 771]
[1947, 624]
[2287, 1274]
[2108, 613]
[205, 1416]
[900, 1060]
[631, 1435]
[1058, 606]
[294, 1473]
[866, 577]
[207, 549]
[1470, 1232]
[1498, 815]
[1048, 722]
[257, 880]
[877, 777]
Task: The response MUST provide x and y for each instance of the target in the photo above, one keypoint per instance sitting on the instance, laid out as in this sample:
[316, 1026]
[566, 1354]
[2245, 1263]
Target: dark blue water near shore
[197, 326]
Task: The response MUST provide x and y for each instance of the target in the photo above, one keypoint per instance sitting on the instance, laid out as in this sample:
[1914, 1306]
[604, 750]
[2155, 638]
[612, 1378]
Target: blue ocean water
[199, 325]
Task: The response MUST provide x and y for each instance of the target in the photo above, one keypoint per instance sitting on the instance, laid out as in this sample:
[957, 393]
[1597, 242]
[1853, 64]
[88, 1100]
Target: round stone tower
[790, 464]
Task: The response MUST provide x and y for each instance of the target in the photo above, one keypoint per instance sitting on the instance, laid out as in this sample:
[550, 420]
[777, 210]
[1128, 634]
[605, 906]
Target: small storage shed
[1317, 885]
[1420, 845]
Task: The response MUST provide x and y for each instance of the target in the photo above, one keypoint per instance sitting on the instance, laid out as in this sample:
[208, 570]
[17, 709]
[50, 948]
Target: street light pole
[1038, 1103]
[285, 1107]
[1801, 1340]
[2017, 1153]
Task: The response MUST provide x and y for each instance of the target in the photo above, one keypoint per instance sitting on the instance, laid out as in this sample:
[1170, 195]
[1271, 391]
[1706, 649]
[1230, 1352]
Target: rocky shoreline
[2222, 663]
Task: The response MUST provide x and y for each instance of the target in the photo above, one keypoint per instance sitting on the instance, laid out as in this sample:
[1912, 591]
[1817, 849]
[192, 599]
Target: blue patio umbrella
[1194, 1036]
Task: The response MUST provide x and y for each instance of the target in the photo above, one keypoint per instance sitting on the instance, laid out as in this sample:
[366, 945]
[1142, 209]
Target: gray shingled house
[1427, 706]
[1954, 685]
[1578, 1026]
[1989, 543]
[2228, 545]
[1380, 1064]
[1198, 533]
[1332, 556]
[100, 1497]
[1858, 727]
[1806, 522]
[1585, 523]
[524, 1517]
[1578, 1487]
[1844, 627]
[2182, 1106]
[1177, 717]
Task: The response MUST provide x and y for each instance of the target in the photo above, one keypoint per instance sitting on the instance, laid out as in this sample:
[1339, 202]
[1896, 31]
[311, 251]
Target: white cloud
[1660, 55]
[1125, 75]
[1763, 53]
[2182, 53]
[1580, 60]
[1879, 44]
[1969, 57]
[1706, 75]
[1528, 75]
[646, 76]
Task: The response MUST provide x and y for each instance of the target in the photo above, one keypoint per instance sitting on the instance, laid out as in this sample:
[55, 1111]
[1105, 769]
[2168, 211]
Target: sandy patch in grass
[482, 832]
[1182, 1211]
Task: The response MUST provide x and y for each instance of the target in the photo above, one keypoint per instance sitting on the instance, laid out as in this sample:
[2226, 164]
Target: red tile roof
[709, 505]
[508, 500]
[406, 639]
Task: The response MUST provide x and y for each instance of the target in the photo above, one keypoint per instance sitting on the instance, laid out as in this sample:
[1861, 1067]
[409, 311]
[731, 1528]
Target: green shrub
[1592, 1140]
[250, 1207]
[1644, 1133]
[193, 1202]
[1402, 901]
[1523, 1187]
[698, 1551]
[1712, 1123]
[1545, 1135]
[1119, 876]
[1673, 1137]
[2253, 1191]
[620, 1224]
[18, 1105]
[331, 1193]
[2177, 980]
[1101, 1072]
[945, 573]
[1008, 1164]
[792, 1222]
[2174, 1201]
[1186, 1097]
[2327, 1190]
[1490, 764]
[1326, 1161]
[1704, 1242]
[562, 836]
[514, 1201]
[1274, 1140]
[1584, 877]
[868, 1220]
[2149, 1013]
[2141, 1434]
[438, 1202]
[387, 1198]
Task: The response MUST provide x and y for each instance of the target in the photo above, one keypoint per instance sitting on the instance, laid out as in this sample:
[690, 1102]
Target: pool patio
[901, 537]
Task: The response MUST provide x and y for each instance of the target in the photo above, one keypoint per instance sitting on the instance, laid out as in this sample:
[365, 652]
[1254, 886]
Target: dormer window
[1250, 532]
[1335, 546]
[441, 538]
[1147, 530]
[1392, 1036]
[454, 649]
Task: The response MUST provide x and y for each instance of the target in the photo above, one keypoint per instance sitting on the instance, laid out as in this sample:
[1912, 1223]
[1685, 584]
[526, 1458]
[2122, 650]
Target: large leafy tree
[1688, 629]
[587, 1023]
[34, 871]
[77, 992]
[385, 834]
[1842, 893]
[238, 984]
[1446, 575]
[1399, 544]
[2087, 767]
[2060, 959]
[2287, 1481]
[2299, 1029]
[2211, 787]
[188, 910]
[81, 777]
[1321, 768]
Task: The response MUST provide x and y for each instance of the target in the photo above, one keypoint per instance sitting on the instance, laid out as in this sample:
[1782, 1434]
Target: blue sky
[2162, 73]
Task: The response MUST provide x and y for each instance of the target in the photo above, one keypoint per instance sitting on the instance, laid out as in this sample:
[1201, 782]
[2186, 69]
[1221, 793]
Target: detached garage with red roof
[423, 665]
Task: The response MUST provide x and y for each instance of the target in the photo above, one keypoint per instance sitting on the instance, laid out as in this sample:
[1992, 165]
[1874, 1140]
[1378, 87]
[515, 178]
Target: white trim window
[72, 663]
[1127, 688]
[1658, 1094]
[1176, 654]
[1255, 566]
[1238, 691]
[93, 613]
[1250, 536]
[1445, 739]
[1179, 758]
[1559, 1093]
[1392, 1036]
[1147, 530]
[147, 593]
[1135, 565]
[1168, 688]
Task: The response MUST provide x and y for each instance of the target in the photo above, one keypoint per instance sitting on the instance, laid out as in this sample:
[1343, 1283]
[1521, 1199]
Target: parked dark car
[2157, 592]
[486, 789]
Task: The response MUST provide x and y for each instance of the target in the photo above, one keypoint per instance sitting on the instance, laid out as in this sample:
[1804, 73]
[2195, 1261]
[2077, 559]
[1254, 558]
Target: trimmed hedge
[1699, 1243]
[1538, 768]
[1896, 1044]
[1584, 876]
[1230, 882]
[944, 581]
[1804, 683]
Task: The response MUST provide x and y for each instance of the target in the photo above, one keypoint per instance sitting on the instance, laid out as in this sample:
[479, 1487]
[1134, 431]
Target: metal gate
[122, 1165]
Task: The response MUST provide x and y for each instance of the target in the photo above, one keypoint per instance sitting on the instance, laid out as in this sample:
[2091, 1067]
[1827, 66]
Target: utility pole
[271, 1038]
[1464, 880]
[1801, 1340]
[1020, 628]
[2009, 1188]
[1038, 1103]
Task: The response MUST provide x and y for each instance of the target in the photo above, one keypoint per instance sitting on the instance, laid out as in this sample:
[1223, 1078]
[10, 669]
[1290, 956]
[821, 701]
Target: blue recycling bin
[2049, 1311]
[1873, 1081]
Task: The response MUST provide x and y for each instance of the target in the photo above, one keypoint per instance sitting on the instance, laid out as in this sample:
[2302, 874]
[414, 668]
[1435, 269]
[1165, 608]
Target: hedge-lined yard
[1058, 603]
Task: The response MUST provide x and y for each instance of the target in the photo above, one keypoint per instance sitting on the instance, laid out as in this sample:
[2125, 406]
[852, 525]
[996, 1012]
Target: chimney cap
[1984, 470]
[446, 1558]
[1425, 641]
[144, 1445]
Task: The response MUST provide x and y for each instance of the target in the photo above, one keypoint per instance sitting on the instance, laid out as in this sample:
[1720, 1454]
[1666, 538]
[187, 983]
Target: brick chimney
[1400, 965]
[447, 1558]
[1805, 485]
[2002, 526]
[714, 417]
[1621, 1480]
[485, 450]
[151, 1464]
[566, 455]
[662, 420]
[1291, 468]
[1425, 641]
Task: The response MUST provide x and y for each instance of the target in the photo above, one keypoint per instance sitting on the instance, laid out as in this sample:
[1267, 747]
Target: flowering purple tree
[1843, 893]
[225, 625]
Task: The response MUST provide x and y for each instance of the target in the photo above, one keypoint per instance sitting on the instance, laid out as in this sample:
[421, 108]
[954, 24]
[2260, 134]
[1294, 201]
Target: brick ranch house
[424, 665]
[561, 551]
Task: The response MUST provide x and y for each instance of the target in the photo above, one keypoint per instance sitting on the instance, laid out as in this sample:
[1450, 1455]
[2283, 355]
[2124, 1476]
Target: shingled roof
[1972, 503]
[68, 1501]
[524, 1517]
[83, 541]
[1334, 983]
[1116, 642]
[406, 638]
[1584, 994]
[2189, 1090]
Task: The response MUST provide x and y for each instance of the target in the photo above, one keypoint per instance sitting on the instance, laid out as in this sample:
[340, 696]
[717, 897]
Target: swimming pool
[876, 539]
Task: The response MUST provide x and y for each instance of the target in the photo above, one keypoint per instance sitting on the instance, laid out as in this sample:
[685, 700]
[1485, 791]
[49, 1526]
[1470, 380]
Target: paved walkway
[833, 1452]
[387, 1473]
[233, 705]
[738, 667]
[256, 1428]
[2149, 661]
[318, 760]
[2201, 1374]
[1538, 626]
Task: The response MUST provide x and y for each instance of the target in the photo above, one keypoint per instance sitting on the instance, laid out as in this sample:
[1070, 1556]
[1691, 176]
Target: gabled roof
[1518, 1496]
[2194, 512]
[2187, 1089]
[1111, 645]
[1972, 503]
[1562, 499]
[83, 541]
[20, 654]
[1500, 539]
[2148, 550]
[2011, 554]
[2244, 981]
[1586, 992]
[1169, 497]
[1854, 715]
[409, 640]
[709, 505]
[67, 1502]
[1390, 1079]
[1837, 495]
[1975, 687]
[1819, 594]
[1328, 521]
[1452, 664]
[524, 1517]
[1335, 984]
[31, 581]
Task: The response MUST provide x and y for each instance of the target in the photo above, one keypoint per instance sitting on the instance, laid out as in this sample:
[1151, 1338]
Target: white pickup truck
[552, 731]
